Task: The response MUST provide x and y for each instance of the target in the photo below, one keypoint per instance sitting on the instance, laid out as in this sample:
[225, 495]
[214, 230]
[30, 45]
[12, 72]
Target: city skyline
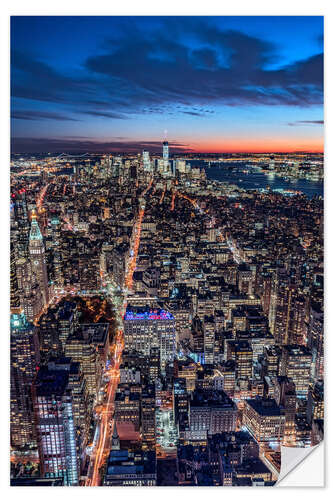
[207, 84]
[166, 249]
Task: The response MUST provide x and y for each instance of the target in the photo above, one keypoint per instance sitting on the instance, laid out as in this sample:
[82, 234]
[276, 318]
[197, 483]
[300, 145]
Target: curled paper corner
[291, 458]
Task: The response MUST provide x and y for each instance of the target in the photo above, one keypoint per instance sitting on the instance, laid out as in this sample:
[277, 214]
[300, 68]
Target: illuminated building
[264, 419]
[209, 339]
[296, 365]
[181, 399]
[49, 331]
[119, 263]
[154, 364]
[129, 374]
[255, 471]
[80, 403]
[228, 370]
[126, 468]
[211, 412]
[285, 397]
[271, 361]
[151, 280]
[316, 340]
[56, 435]
[20, 229]
[147, 328]
[245, 279]
[115, 441]
[317, 432]
[187, 370]
[57, 259]
[297, 326]
[148, 417]
[24, 360]
[37, 257]
[287, 311]
[14, 290]
[165, 156]
[146, 160]
[127, 406]
[243, 360]
[315, 404]
[80, 347]
[67, 319]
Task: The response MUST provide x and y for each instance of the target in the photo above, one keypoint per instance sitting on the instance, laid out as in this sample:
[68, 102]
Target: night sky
[216, 84]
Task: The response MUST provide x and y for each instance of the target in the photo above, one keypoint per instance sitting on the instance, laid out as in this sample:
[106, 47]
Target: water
[256, 179]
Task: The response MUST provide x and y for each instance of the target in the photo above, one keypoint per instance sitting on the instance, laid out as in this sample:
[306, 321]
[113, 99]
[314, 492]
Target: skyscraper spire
[35, 233]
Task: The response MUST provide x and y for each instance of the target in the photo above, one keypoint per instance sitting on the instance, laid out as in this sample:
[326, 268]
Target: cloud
[306, 122]
[156, 70]
[105, 114]
[40, 115]
[32, 144]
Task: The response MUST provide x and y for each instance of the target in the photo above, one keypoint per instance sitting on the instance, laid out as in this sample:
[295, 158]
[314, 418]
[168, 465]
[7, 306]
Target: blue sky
[213, 83]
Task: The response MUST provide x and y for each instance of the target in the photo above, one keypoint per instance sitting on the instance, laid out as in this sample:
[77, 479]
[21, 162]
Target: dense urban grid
[166, 329]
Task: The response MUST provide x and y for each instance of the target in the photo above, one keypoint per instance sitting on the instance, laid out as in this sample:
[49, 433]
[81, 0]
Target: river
[255, 179]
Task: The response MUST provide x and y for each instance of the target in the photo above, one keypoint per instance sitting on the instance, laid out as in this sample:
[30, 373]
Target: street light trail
[103, 444]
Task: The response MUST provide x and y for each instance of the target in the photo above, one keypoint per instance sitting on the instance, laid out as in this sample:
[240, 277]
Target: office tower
[271, 361]
[77, 385]
[20, 226]
[154, 364]
[266, 291]
[56, 435]
[24, 361]
[181, 398]
[285, 397]
[315, 404]
[316, 340]
[243, 360]
[119, 257]
[146, 161]
[127, 405]
[48, 329]
[264, 420]
[245, 279]
[81, 347]
[31, 298]
[297, 321]
[281, 306]
[211, 412]
[38, 259]
[209, 339]
[165, 156]
[57, 257]
[145, 328]
[14, 290]
[148, 417]
[296, 365]
[67, 319]
[76, 172]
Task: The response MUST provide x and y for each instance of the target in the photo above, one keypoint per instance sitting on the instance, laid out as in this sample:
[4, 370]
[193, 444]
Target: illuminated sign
[153, 314]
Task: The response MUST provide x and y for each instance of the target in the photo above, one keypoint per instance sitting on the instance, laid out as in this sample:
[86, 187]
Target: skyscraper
[14, 290]
[24, 359]
[146, 161]
[37, 256]
[165, 156]
[56, 435]
[296, 365]
[147, 328]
